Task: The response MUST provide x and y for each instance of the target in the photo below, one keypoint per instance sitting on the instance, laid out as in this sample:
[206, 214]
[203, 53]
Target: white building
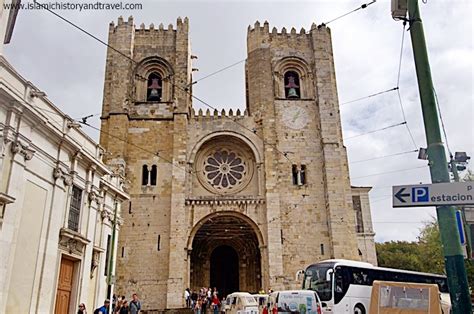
[57, 202]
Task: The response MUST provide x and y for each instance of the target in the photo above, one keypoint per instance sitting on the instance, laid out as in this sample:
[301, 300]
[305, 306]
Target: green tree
[398, 254]
[425, 254]
[430, 249]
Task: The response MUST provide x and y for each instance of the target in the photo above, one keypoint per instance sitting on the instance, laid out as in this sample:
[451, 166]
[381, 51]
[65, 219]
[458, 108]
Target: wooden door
[63, 294]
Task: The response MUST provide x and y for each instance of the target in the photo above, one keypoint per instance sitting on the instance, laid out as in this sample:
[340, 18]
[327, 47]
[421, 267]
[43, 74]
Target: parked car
[240, 303]
[294, 301]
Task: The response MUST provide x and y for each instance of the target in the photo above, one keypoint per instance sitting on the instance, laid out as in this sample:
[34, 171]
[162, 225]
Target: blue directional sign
[460, 225]
[454, 193]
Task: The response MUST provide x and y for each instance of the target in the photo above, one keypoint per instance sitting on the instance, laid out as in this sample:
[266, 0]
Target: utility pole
[110, 277]
[454, 260]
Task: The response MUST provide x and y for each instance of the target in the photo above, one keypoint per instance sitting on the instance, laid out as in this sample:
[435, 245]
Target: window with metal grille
[75, 209]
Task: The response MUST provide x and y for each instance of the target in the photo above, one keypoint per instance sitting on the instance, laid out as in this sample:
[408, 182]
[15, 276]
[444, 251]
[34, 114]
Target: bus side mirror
[329, 274]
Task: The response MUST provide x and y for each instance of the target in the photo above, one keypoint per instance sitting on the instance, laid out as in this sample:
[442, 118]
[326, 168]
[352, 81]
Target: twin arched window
[149, 175]
[292, 85]
[154, 87]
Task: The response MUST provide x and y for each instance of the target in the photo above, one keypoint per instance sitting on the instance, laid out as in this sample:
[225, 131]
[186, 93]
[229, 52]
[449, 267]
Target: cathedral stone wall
[265, 189]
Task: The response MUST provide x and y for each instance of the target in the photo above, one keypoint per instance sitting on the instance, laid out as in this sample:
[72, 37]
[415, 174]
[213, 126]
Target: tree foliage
[424, 255]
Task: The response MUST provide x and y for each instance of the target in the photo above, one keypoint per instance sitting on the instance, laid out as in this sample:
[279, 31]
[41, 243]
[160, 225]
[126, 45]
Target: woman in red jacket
[215, 303]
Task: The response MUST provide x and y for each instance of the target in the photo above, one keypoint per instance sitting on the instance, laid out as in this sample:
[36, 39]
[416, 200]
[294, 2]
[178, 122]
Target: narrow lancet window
[145, 175]
[153, 175]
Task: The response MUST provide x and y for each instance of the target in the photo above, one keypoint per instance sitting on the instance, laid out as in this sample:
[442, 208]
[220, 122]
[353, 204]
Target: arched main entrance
[225, 254]
[225, 269]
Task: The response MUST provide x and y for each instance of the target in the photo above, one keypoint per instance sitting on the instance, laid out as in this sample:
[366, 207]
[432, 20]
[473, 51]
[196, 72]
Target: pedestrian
[114, 302]
[104, 309]
[194, 298]
[82, 309]
[204, 302]
[119, 305]
[215, 303]
[187, 297]
[197, 306]
[124, 309]
[135, 305]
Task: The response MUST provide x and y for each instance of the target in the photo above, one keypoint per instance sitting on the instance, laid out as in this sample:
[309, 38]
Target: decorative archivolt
[150, 67]
[298, 66]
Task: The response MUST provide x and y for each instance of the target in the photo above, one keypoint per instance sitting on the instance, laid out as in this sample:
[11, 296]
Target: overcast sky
[69, 66]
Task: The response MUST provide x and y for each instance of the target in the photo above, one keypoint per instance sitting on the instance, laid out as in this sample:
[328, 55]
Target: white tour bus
[345, 286]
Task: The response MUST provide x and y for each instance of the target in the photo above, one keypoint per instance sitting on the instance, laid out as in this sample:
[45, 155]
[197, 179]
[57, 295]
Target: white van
[240, 303]
[294, 301]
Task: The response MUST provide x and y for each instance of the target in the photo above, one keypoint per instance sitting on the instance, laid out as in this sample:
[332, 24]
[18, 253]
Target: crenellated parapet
[216, 114]
[182, 25]
[260, 36]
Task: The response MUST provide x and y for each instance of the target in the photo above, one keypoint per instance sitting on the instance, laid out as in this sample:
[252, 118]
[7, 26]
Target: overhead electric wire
[133, 144]
[374, 131]
[185, 89]
[287, 212]
[81, 29]
[218, 71]
[385, 156]
[363, 6]
[398, 86]
[388, 172]
[442, 123]
[369, 96]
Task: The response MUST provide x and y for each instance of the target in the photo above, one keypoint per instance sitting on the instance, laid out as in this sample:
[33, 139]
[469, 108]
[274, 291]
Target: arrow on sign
[400, 195]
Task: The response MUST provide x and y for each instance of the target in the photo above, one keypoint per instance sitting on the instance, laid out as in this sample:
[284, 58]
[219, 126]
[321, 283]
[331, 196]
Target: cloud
[69, 66]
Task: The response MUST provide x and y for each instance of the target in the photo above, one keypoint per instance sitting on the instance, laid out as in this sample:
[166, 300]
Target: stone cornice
[223, 201]
[6, 199]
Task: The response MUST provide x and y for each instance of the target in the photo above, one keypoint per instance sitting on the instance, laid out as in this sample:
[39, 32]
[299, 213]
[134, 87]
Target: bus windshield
[315, 278]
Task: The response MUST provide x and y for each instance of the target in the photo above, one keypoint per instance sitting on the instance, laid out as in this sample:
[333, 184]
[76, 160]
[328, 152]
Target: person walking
[135, 305]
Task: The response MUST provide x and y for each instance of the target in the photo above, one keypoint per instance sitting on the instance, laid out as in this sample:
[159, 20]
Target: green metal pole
[454, 260]
[112, 246]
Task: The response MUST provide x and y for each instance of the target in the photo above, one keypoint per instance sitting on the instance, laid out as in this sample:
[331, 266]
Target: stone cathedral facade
[240, 200]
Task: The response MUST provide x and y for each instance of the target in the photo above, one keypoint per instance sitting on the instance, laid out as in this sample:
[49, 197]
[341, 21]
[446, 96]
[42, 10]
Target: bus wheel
[359, 309]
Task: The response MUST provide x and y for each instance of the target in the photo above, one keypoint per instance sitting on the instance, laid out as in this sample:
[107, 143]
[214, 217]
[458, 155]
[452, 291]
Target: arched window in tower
[153, 175]
[154, 87]
[145, 175]
[292, 85]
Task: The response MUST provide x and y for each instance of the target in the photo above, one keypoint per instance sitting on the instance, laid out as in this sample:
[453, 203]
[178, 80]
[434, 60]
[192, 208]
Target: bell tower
[145, 118]
[291, 91]
[147, 76]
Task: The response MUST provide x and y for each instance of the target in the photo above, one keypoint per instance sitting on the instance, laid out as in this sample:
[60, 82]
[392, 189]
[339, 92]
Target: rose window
[224, 169]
